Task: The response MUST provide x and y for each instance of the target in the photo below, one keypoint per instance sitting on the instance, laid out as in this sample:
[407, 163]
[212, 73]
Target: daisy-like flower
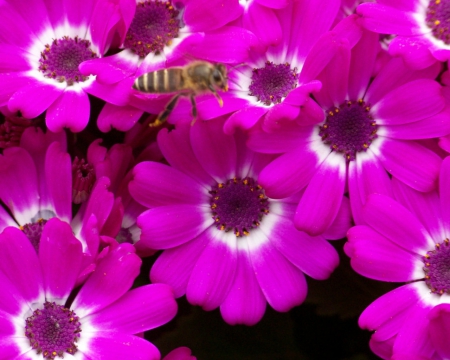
[367, 133]
[42, 320]
[41, 46]
[274, 84]
[164, 34]
[229, 245]
[422, 28]
[407, 241]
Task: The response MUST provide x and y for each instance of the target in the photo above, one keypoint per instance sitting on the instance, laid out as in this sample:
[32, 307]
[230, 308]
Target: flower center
[61, 59]
[349, 129]
[272, 83]
[154, 25]
[238, 205]
[33, 232]
[437, 268]
[124, 236]
[53, 331]
[438, 19]
[83, 178]
[11, 130]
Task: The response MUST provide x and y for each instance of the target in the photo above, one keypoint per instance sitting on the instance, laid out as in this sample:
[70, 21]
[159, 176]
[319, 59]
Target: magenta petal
[283, 285]
[374, 256]
[387, 20]
[414, 50]
[431, 127]
[414, 337]
[118, 117]
[285, 139]
[181, 353]
[439, 329]
[258, 19]
[411, 163]
[118, 93]
[312, 255]
[322, 199]
[58, 177]
[174, 266]
[60, 255]
[228, 44]
[396, 223]
[200, 15]
[177, 150]
[20, 263]
[13, 58]
[274, 4]
[111, 69]
[111, 279]
[214, 272]
[215, 151]
[279, 112]
[156, 184]
[387, 306]
[139, 310]
[34, 99]
[70, 110]
[244, 118]
[9, 347]
[342, 222]
[184, 221]
[413, 101]
[444, 189]
[424, 205]
[18, 184]
[245, 303]
[289, 173]
[11, 302]
[111, 345]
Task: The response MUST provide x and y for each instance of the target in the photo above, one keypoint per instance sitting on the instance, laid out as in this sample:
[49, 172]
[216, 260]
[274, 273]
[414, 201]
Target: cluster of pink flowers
[231, 142]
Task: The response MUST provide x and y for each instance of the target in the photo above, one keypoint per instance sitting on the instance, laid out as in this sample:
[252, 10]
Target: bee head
[219, 76]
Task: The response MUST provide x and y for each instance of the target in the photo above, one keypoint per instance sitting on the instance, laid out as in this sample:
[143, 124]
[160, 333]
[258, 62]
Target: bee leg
[219, 99]
[194, 108]
[162, 117]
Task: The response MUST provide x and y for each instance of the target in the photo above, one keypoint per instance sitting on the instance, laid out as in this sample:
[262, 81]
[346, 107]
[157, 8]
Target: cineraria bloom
[36, 185]
[229, 245]
[366, 131]
[41, 317]
[274, 84]
[42, 43]
[444, 142]
[407, 241]
[164, 34]
[422, 28]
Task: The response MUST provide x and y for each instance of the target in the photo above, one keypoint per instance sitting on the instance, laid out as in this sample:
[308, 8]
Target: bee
[195, 78]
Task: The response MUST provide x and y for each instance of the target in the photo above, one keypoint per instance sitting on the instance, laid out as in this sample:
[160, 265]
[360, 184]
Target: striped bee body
[190, 80]
[161, 81]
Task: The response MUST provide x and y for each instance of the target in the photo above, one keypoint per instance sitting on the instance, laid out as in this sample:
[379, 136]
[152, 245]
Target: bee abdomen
[161, 81]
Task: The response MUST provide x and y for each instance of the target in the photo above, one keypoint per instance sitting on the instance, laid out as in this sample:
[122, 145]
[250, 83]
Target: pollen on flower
[61, 59]
[437, 268]
[273, 82]
[53, 330]
[438, 19]
[154, 25]
[33, 232]
[349, 129]
[238, 205]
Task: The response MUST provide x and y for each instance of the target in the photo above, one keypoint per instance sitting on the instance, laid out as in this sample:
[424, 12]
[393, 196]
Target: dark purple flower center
[154, 25]
[11, 130]
[83, 178]
[438, 19]
[60, 60]
[124, 236]
[53, 331]
[238, 205]
[33, 232]
[437, 268]
[272, 83]
[349, 129]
